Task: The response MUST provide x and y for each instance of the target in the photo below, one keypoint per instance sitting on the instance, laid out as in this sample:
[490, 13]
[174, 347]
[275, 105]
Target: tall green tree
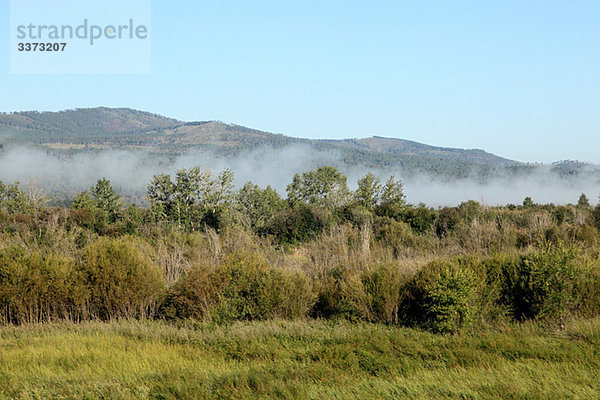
[160, 194]
[84, 201]
[106, 198]
[192, 197]
[326, 187]
[368, 192]
[392, 201]
[13, 199]
[583, 201]
[528, 202]
[258, 205]
[393, 193]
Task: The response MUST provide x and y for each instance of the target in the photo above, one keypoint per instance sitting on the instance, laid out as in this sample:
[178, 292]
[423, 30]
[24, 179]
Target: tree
[392, 202]
[326, 187]
[393, 193]
[258, 205]
[583, 201]
[528, 202]
[596, 214]
[219, 192]
[106, 199]
[160, 194]
[193, 200]
[84, 201]
[160, 189]
[368, 192]
[13, 200]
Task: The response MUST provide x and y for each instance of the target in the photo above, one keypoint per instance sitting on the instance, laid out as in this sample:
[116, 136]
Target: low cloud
[131, 171]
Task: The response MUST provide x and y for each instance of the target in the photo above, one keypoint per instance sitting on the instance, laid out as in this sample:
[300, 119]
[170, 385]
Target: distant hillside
[407, 147]
[82, 124]
[100, 128]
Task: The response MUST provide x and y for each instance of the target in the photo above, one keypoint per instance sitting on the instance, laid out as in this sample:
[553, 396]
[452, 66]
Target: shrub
[542, 284]
[419, 218]
[396, 235]
[37, 288]
[446, 220]
[443, 297]
[353, 300]
[496, 303]
[248, 289]
[384, 285]
[192, 295]
[298, 224]
[121, 278]
[356, 214]
[586, 235]
[370, 295]
[596, 216]
[329, 294]
[587, 289]
[243, 287]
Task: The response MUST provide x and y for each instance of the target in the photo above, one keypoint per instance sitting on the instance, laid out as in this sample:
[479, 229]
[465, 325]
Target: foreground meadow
[277, 359]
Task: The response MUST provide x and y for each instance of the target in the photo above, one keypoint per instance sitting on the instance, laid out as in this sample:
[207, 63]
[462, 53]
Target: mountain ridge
[103, 123]
[90, 129]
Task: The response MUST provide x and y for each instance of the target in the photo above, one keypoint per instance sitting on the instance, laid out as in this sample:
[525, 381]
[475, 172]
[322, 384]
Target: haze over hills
[68, 150]
[100, 128]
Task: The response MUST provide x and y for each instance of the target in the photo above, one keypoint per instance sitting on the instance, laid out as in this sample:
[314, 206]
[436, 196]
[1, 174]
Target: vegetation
[202, 250]
[304, 360]
[327, 293]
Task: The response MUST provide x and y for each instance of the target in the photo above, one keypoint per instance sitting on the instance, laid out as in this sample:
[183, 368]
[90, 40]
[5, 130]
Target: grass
[315, 359]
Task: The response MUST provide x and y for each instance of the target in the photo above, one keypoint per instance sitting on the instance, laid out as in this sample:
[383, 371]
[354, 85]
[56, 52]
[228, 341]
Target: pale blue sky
[517, 78]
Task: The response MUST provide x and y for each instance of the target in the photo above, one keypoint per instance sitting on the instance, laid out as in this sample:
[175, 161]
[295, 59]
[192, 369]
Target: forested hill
[82, 125]
[101, 128]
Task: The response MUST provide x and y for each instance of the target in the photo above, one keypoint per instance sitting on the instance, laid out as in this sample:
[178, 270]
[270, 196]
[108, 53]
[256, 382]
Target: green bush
[192, 295]
[543, 284]
[35, 288]
[443, 297]
[370, 295]
[355, 214]
[243, 287]
[384, 285]
[587, 288]
[342, 294]
[396, 235]
[122, 280]
[420, 219]
[496, 298]
[446, 220]
[298, 224]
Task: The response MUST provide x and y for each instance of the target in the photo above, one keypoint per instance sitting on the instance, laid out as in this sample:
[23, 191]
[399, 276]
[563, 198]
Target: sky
[520, 79]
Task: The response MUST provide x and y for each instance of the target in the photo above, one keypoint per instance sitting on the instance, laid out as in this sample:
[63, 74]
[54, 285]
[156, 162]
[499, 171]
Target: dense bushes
[298, 224]
[371, 295]
[443, 296]
[242, 287]
[199, 252]
[123, 281]
[543, 284]
[118, 277]
[114, 279]
[36, 288]
[449, 295]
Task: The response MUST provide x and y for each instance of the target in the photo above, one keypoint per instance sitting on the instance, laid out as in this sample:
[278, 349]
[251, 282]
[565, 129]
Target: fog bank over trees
[130, 171]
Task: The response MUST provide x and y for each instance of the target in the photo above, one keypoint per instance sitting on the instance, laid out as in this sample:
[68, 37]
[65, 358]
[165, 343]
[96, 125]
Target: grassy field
[132, 359]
